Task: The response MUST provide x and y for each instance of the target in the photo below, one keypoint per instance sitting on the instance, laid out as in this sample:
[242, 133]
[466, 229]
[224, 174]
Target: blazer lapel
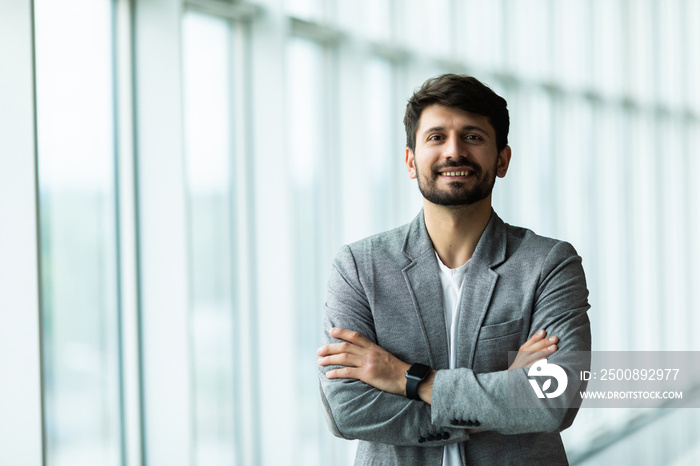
[479, 284]
[423, 280]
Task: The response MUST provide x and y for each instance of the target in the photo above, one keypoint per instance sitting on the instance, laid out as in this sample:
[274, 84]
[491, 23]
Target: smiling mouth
[457, 173]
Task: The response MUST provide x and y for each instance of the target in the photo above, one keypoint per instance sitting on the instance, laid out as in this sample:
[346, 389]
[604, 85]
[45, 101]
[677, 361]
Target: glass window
[75, 119]
[610, 177]
[529, 38]
[574, 181]
[368, 18]
[691, 66]
[572, 50]
[367, 154]
[644, 199]
[641, 55]
[307, 136]
[609, 59]
[479, 27]
[530, 174]
[673, 208]
[208, 151]
[378, 19]
[670, 47]
[380, 153]
[311, 10]
[427, 27]
[692, 140]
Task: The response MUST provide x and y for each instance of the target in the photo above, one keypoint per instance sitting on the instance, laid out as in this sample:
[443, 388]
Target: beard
[457, 193]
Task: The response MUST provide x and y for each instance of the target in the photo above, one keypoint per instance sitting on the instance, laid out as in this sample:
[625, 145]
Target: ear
[503, 162]
[411, 163]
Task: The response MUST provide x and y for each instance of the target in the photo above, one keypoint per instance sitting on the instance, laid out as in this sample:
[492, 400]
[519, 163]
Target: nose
[453, 148]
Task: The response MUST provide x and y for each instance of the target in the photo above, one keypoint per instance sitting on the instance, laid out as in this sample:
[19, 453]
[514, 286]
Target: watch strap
[412, 381]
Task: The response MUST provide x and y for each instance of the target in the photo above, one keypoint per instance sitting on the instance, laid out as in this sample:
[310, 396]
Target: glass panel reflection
[207, 100]
[78, 232]
[307, 135]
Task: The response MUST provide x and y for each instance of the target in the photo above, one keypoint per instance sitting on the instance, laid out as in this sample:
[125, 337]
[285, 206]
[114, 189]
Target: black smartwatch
[415, 375]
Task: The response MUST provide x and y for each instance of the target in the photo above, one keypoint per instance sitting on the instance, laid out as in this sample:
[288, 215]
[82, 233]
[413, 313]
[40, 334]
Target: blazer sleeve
[494, 400]
[354, 409]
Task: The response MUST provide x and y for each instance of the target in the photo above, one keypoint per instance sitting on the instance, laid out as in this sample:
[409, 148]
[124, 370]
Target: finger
[526, 358]
[538, 336]
[543, 344]
[351, 336]
[531, 358]
[338, 348]
[539, 343]
[343, 373]
[343, 359]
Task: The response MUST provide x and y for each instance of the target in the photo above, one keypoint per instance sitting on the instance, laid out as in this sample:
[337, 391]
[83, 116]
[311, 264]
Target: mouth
[460, 173]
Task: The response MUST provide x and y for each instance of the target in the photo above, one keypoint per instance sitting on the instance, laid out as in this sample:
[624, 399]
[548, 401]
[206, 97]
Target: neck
[455, 230]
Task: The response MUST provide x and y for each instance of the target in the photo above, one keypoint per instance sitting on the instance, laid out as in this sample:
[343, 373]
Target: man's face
[455, 161]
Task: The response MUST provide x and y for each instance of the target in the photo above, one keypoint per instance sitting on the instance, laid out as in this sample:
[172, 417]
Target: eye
[434, 137]
[473, 137]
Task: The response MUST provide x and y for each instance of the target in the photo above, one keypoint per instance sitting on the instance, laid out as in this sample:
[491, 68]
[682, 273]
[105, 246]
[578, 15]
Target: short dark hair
[463, 92]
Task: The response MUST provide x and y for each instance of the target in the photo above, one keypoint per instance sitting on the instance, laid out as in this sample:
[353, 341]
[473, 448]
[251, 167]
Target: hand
[534, 349]
[363, 360]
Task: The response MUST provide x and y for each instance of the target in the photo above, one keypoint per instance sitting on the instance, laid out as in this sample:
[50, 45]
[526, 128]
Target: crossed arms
[363, 384]
[363, 360]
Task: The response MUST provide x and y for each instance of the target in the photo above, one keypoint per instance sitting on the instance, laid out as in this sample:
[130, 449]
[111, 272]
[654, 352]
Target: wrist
[401, 379]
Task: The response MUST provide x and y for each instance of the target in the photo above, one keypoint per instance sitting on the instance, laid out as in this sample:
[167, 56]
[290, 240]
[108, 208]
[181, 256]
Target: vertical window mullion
[162, 236]
[21, 427]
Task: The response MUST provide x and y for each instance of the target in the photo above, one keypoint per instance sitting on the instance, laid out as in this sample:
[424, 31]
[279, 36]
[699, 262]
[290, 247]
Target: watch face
[418, 371]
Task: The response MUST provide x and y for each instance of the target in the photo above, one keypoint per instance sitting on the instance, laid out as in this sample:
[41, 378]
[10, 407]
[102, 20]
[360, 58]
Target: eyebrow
[465, 128]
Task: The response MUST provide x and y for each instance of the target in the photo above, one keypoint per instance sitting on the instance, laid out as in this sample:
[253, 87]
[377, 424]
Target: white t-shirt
[452, 281]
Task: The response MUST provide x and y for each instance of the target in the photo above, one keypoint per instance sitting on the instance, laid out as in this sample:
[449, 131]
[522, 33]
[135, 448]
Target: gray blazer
[387, 287]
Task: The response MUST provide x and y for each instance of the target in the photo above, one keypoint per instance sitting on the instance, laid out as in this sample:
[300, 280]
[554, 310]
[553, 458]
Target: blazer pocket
[491, 332]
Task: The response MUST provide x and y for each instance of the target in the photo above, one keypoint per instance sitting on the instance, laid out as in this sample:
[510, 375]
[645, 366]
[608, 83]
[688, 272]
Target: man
[420, 319]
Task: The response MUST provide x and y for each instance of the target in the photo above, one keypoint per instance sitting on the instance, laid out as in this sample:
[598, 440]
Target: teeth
[455, 173]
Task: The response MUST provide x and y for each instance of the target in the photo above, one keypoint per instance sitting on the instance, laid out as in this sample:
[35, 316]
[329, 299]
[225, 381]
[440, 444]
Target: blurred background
[177, 175]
